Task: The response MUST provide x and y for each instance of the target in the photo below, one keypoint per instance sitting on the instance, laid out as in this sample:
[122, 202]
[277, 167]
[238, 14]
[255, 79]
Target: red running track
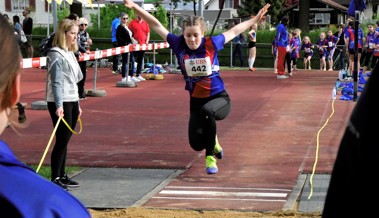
[269, 138]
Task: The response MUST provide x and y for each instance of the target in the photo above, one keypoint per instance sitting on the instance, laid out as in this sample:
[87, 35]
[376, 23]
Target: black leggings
[202, 122]
[62, 136]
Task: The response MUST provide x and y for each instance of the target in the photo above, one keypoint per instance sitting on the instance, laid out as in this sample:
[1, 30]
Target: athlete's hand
[129, 3]
[261, 12]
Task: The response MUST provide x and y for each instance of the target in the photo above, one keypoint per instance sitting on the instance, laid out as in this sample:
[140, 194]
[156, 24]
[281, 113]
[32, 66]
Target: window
[228, 4]
[319, 18]
[19, 5]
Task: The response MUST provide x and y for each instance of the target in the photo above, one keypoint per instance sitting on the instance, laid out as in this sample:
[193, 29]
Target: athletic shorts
[251, 44]
[351, 51]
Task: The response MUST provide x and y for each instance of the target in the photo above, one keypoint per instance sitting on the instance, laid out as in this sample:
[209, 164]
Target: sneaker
[135, 79]
[291, 74]
[219, 153]
[282, 77]
[58, 182]
[115, 72]
[210, 163]
[69, 182]
[141, 78]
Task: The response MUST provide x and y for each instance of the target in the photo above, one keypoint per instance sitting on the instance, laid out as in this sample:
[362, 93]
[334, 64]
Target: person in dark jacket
[123, 36]
[84, 45]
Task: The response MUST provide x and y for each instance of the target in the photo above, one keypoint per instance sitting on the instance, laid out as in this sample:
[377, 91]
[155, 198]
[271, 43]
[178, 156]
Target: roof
[334, 4]
[330, 3]
[343, 2]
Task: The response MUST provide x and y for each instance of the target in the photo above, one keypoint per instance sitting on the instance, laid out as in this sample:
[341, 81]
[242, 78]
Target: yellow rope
[317, 147]
[52, 136]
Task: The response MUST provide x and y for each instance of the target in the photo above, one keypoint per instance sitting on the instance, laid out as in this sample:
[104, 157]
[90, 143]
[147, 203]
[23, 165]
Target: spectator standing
[322, 44]
[274, 51]
[288, 54]
[332, 41]
[124, 37]
[141, 32]
[16, 23]
[281, 37]
[115, 23]
[18, 30]
[238, 41]
[209, 101]
[340, 47]
[306, 47]
[27, 27]
[24, 193]
[252, 49]
[369, 46]
[84, 44]
[295, 49]
[375, 54]
[62, 96]
[350, 45]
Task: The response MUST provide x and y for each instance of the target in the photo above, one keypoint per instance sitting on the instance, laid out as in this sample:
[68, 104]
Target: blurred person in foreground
[24, 193]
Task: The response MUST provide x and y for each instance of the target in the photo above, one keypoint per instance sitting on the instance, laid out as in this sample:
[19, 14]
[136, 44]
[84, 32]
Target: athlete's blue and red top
[200, 86]
[281, 36]
[350, 35]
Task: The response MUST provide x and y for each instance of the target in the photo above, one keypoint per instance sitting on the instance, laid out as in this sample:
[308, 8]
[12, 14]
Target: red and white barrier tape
[41, 61]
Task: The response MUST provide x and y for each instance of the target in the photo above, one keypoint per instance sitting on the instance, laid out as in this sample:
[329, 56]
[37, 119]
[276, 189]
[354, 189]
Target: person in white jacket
[62, 95]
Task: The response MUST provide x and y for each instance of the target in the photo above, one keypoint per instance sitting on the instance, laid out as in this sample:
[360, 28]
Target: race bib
[370, 45]
[330, 44]
[288, 48]
[198, 66]
[307, 50]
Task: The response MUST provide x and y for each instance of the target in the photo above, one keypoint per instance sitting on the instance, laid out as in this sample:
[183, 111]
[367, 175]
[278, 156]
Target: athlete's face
[193, 36]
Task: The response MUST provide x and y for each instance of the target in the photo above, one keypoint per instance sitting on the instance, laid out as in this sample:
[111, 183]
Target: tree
[304, 6]
[108, 13]
[161, 15]
[251, 7]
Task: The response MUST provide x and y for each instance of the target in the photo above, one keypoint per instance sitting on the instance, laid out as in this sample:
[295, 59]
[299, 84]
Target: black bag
[46, 44]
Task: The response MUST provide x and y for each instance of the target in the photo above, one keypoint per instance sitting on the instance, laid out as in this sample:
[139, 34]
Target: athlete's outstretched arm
[239, 28]
[150, 19]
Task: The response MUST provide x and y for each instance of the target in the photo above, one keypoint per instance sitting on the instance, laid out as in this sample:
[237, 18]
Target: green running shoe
[219, 153]
[210, 163]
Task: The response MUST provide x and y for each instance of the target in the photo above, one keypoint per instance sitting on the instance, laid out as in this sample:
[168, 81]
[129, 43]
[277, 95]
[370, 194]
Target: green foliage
[161, 15]
[252, 7]
[63, 11]
[46, 171]
[107, 14]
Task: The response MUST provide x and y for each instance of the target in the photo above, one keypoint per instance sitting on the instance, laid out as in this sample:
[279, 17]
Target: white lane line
[222, 199]
[220, 193]
[222, 188]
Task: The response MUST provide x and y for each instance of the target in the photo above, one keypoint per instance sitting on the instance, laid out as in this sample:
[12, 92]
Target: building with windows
[322, 13]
